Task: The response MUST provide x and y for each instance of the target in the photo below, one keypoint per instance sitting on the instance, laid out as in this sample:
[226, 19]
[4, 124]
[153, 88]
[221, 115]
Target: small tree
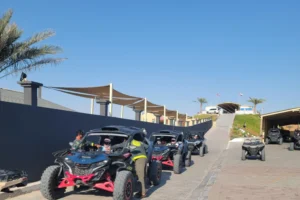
[201, 101]
[16, 56]
[255, 102]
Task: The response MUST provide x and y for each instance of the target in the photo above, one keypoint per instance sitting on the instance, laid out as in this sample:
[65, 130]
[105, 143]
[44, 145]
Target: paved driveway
[276, 178]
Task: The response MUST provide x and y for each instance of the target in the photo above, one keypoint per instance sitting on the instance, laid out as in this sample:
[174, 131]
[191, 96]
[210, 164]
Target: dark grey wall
[29, 135]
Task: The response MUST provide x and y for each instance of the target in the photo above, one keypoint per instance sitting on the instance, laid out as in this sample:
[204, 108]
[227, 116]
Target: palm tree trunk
[254, 108]
[200, 108]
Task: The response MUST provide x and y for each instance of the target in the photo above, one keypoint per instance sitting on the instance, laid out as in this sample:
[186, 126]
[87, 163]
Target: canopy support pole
[176, 123]
[122, 111]
[164, 114]
[92, 106]
[145, 110]
[110, 98]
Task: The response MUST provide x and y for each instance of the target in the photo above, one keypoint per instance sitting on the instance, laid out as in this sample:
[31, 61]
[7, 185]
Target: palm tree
[201, 101]
[255, 101]
[16, 56]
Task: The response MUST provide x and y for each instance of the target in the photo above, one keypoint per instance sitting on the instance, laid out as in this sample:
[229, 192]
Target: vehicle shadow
[165, 176]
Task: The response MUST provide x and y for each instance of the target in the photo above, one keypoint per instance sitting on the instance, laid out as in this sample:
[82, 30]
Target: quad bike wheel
[280, 141]
[291, 146]
[155, 171]
[49, 183]
[201, 151]
[263, 155]
[177, 164]
[188, 159]
[243, 154]
[124, 185]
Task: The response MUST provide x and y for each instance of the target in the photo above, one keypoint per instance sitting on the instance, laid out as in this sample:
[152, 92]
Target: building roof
[229, 106]
[13, 96]
[284, 117]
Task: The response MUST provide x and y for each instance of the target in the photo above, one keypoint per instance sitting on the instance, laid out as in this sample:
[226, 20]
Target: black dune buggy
[253, 148]
[196, 142]
[274, 136]
[176, 155]
[295, 144]
[90, 167]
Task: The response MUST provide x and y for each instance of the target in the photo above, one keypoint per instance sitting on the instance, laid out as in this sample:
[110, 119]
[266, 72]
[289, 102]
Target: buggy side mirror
[71, 144]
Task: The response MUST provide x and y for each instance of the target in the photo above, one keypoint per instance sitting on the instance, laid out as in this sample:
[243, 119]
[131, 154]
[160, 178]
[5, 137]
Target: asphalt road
[173, 186]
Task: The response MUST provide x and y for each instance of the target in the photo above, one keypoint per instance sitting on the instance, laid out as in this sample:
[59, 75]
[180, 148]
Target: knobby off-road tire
[280, 141]
[155, 172]
[263, 155]
[49, 183]
[291, 146]
[188, 159]
[206, 149]
[124, 186]
[201, 151]
[177, 164]
[243, 154]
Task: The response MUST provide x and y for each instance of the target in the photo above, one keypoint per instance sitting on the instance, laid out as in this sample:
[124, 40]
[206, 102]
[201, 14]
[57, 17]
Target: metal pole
[164, 114]
[92, 106]
[145, 109]
[110, 98]
[122, 111]
[176, 123]
[186, 119]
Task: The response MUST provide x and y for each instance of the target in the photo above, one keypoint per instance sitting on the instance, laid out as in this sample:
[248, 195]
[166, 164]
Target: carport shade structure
[281, 118]
[101, 92]
[229, 107]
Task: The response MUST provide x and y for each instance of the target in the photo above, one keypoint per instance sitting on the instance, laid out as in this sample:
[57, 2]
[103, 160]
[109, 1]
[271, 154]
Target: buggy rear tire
[280, 141]
[188, 159]
[177, 164]
[206, 149]
[263, 155]
[124, 186]
[243, 154]
[201, 151]
[291, 146]
[49, 183]
[155, 172]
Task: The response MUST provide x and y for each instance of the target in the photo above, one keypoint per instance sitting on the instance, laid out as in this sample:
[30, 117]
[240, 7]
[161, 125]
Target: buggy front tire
[291, 146]
[124, 186]
[49, 183]
[243, 154]
[263, 155]
[177, 164]
[155, 172]
[188, 159]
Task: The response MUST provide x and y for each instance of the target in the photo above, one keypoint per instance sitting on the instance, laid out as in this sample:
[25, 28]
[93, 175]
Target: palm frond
[17, 56]
[33, 66]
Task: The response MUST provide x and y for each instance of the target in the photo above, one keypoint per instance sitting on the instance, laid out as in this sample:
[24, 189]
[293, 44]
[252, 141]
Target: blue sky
[169, 51]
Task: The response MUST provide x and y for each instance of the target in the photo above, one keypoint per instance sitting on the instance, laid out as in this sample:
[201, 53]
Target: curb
[31, 187]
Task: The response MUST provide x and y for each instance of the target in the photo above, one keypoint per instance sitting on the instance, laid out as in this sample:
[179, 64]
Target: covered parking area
[229, 107]
[279, 118]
